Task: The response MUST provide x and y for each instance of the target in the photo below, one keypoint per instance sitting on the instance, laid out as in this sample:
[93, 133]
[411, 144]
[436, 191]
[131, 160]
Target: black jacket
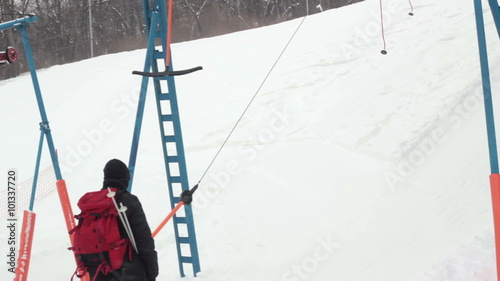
[144, 265]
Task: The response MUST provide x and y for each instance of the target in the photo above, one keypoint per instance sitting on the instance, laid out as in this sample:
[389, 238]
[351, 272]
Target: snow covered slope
[349, 165]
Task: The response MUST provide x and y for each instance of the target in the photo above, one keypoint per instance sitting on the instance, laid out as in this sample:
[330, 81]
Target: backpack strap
[123, 218]
[73, 230]
[80, 271]
[75, 273]
[98, 270]
[79, 218]
[104, 267]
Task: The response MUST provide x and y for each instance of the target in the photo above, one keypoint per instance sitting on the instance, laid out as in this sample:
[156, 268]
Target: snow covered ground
[349, 165]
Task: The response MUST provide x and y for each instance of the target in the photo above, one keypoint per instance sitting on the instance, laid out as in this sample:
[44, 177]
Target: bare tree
[61, 34]
[196, 8]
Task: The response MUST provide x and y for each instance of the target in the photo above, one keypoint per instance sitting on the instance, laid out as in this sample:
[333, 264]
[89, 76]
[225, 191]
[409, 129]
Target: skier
[144, 263]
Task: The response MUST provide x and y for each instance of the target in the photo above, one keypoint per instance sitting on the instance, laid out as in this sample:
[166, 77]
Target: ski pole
[127, 226]
[186, 199]
[123, 218]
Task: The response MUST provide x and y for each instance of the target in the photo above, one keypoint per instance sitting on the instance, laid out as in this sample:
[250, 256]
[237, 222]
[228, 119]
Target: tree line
[62, 32]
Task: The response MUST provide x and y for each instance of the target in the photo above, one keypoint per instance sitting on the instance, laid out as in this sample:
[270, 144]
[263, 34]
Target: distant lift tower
[158, 26]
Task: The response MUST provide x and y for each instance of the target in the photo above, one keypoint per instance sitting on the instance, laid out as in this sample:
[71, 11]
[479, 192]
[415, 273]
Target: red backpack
[97, 242]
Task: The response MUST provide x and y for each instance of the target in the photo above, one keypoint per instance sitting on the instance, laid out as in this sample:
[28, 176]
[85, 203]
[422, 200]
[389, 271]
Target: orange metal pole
[166, 219]
[495, 197]
[66, 205]
[23, 262]
[169, 32]
[68, 213]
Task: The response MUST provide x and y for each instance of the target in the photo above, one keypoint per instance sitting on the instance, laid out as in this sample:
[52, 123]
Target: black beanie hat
[116, 174]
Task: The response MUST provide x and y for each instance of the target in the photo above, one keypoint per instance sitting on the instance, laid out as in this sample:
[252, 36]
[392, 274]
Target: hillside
[349, 165]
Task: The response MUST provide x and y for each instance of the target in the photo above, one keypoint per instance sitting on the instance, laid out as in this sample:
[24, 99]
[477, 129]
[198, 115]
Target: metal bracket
[44, 126]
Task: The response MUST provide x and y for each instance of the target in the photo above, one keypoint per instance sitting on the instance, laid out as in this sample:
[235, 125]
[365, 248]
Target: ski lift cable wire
[251, 100]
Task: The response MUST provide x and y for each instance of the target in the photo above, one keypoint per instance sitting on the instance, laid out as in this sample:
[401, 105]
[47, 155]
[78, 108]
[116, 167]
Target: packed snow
[348, 165]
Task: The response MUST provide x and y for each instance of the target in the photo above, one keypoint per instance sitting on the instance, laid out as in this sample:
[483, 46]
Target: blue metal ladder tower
[157, 26]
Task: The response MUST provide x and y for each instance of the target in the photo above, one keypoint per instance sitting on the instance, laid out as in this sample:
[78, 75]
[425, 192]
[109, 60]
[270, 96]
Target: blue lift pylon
[158, 31]
[21, 25]
[489, 114]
